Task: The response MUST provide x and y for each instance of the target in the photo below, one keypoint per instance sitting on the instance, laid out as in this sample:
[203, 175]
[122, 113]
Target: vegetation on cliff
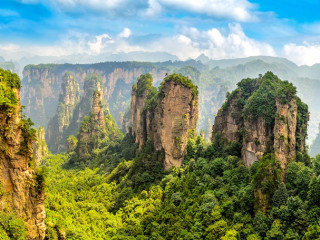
[21, 208]
[8, 82]
[179, 78]
[121, 193]
[210, 197]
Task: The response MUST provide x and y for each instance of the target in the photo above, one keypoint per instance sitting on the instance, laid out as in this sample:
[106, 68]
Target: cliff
[165, 117]
[40, 148]
[43, 84]
[22, 189]
[71, 110]
[95, 129]
[265, 116]
[68, 100]
[269, 121]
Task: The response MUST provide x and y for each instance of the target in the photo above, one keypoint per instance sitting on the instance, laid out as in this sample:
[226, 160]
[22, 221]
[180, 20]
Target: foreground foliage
[210, 197]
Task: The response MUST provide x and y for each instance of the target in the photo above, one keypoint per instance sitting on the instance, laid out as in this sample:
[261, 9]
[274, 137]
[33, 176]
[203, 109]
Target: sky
[220, 29]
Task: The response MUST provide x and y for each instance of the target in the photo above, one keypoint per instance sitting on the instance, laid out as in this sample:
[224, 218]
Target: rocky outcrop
[285, 128]
[229, 123]
[92, 128]
[40, 148]
[138, 115]
[95, 128]
[165, 117]
[57, 126]
[42, 85]
[265, 116]
[68, 119]
[176, 113]
[21, 191]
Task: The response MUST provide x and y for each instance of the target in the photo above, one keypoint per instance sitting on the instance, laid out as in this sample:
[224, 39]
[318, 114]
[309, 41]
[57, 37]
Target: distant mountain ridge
[214, 78]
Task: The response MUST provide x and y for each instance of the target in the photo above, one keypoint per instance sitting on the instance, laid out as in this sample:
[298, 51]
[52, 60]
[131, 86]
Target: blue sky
[187, 28]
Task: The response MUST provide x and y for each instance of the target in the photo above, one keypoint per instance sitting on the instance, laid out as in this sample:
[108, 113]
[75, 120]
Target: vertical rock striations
[42, 84]
[21, 191]
[69, 116]
[139, 96]
[270, 122]
[265, 116]
[165, 117]
[95, 128]
[68, 100]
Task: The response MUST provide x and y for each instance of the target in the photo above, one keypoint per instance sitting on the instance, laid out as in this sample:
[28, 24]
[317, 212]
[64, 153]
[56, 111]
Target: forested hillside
[116, 191]
[43, 85]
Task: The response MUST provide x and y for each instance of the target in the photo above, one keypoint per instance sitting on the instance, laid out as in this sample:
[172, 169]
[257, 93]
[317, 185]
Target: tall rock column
[68, 99]
[285, 132]
[175, 114]
[22, 193]
[165, 117]
[140, 93]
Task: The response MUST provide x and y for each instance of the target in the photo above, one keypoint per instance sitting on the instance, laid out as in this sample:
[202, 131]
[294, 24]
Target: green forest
[118, 191]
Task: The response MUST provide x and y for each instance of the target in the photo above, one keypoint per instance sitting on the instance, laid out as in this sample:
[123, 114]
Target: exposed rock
[42, 85]
[138, 118]
[257, 140]
[262, 114]
[229, 123]
[285, 132]
[40, 148]
[176, 113]
[79, 107]
[18, 178]
[99, 126]
[68, 100]
[92, 128]
[166, 117]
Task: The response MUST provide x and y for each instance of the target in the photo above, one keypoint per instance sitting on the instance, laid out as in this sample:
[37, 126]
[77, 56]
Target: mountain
[253, 181]
[22, 181]
[165, 118]
[42, 84]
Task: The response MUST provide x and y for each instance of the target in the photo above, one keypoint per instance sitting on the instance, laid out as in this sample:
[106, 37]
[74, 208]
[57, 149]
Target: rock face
[17, 177]
[165, 117]
[285, 132]
[138, 116]
[95, 128]
[43, 84]
[68, 100]
[40, 148]
[265, 116]
[69, 116]
[92, 128]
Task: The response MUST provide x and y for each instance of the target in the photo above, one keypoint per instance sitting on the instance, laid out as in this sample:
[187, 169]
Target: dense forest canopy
[116, 191]
[123, 193]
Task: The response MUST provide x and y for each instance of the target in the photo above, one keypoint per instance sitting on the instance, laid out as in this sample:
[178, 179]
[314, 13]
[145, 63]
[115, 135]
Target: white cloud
[240, 10]
[192, 42]
[306, 54]
[125, 33]
[154, 8]
[99, 43]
